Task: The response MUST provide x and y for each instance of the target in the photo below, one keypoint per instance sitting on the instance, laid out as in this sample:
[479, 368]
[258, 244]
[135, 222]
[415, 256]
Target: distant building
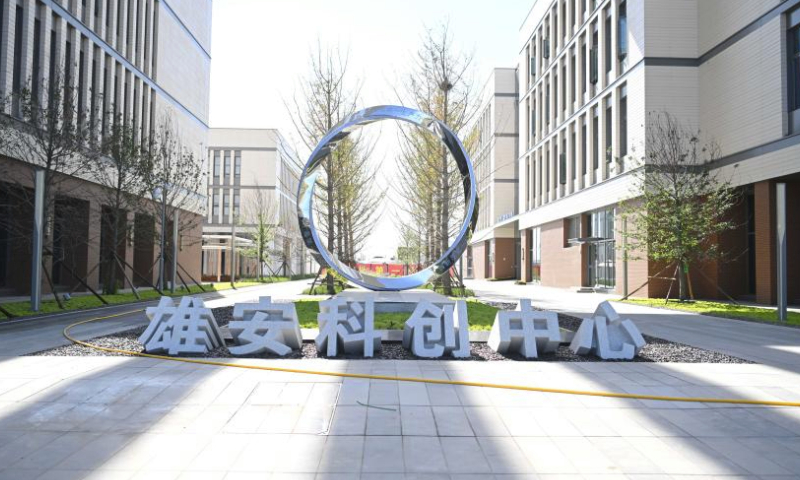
[493, 251]
[251, 170]
[142, 60]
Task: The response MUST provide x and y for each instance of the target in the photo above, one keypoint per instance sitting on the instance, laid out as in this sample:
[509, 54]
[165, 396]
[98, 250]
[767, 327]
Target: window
[595, 138]
[226, 206]
[216, 166]
[601, 254]
[81, 80]
[623, 122]
[533, 121]
[536, 254]
[562, 168]
[227, 171]
[237, 164]
[564, 88]
[793, 70]
[572, 229]
[607, 34]
[215, 207]
[236, 201]
[583, 71]
[609, 123]
[572, 157]
[547, 103]
[533, 67]
[622, 32]
[593, 65]
[35, 68]
[584, 153]
[16, 84]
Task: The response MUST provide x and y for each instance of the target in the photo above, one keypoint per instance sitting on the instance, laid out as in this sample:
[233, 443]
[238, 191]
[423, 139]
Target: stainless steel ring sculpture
[308, 181]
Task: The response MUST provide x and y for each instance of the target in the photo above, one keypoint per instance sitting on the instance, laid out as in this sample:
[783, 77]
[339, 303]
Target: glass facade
[601, 257]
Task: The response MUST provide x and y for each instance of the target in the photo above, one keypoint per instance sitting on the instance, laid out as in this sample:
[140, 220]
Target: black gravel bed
[657, 350]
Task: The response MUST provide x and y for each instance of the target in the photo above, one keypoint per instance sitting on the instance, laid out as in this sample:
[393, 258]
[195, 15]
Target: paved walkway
[763, 343]
[132, 418]
[18, 337]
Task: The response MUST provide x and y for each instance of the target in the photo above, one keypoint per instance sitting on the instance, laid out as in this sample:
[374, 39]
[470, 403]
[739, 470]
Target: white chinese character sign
[525, 331]
[608, 335]
[265, 327]
[437, 330]
[189, 328]
[349, 325]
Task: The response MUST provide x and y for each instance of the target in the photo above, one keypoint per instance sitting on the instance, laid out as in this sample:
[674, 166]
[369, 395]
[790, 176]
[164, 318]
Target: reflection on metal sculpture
[434, 331]
[349, 325]
[308, 181]
[608, 335]
[265, 327]
[525, 331]
[188, 328]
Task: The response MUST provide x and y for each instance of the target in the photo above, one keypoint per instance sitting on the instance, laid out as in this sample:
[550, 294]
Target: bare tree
[345, 203]
[681, 202]
[440, 83]
[123, 169]
[52, 132]
[176, 178]
[259, 218]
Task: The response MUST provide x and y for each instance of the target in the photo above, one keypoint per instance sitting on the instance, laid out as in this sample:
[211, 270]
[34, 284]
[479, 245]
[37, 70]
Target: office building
[252, 173]
[493, 251]
[141, 60]
[589, 73]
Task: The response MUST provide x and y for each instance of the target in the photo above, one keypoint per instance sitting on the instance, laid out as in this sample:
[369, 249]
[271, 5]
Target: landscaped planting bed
[657, 350]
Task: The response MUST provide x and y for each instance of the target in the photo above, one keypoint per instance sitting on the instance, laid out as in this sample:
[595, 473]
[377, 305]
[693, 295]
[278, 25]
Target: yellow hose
[588, 393]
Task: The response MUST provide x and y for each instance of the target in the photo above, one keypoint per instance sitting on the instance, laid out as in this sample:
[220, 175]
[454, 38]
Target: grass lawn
[719, 309]
[481, 316]
[90, 301]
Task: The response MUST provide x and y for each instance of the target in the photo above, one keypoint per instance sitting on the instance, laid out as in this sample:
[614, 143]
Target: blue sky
[261, 47]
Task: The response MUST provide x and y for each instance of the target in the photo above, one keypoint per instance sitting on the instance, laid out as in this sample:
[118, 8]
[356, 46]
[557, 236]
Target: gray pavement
[134, 418]
[769, 344]
[19, 337]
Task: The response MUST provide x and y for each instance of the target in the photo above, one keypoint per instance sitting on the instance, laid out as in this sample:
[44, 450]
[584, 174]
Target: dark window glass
[52, 66]
[237, 164]
[608, 44]
[81, 80]
[572, 157]
[609, 123]
[595, 139]
[584, 153]
[17, 79]
[36, 71]
[623, 122]
[622, 31]
[793, 42]
[216, 166]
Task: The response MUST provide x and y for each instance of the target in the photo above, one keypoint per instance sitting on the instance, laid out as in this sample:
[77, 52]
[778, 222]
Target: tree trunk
[445, 207]
[682, 294]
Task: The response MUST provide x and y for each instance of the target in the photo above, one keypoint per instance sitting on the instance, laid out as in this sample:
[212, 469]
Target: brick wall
[561, 266]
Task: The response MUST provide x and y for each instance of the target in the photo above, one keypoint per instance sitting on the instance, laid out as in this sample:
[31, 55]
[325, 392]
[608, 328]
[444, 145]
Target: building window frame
[793, 69]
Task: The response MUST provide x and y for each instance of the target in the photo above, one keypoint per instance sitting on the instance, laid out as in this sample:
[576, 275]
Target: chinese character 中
[525, 331]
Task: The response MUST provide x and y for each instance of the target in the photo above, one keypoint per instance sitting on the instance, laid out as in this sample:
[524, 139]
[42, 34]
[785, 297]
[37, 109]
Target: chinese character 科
[608, 335]
[265, 327]
[434, 331]
[525, 331]
[188, 328]
[349, 325]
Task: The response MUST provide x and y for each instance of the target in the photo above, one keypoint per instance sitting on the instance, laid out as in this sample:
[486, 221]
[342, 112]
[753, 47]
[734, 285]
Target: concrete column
[601, 151]
[28, 21]
[570, 83]
[6, 47]
[572, 161]
[122, 45]
[111, 32]
[601, 57]
[614, 168]
[614, 35]
[559, 95]
[765, 263]
[587, 65]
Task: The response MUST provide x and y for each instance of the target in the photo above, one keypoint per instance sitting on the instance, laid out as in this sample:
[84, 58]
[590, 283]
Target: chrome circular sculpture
[308, 181]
